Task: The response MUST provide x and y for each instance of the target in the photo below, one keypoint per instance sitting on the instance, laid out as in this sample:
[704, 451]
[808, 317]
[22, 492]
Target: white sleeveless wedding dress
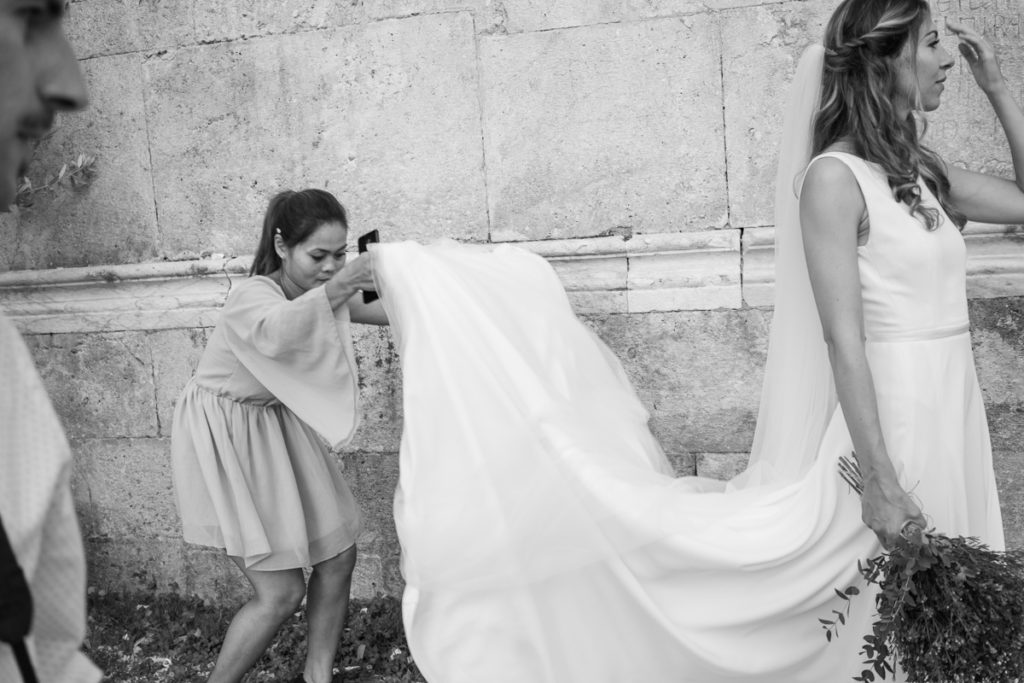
[544, 537]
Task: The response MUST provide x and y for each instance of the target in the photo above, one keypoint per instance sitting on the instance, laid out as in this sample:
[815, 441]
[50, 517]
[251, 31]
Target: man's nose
[60, 80]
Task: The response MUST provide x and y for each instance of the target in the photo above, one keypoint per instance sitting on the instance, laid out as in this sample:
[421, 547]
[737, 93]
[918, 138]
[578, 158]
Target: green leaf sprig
[949, 610]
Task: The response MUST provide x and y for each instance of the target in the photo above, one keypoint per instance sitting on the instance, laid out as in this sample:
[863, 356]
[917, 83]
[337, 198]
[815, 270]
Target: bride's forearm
[856, 393]
[1012, 120]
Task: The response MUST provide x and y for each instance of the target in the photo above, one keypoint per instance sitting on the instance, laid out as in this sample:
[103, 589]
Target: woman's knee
[283, 594]
[341, 565]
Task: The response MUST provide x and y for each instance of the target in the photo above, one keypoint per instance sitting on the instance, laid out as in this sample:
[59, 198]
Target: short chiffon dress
[276, 387]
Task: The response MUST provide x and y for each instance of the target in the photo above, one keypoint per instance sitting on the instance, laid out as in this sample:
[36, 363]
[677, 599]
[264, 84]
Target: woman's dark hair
[294, 216]
[864, 41]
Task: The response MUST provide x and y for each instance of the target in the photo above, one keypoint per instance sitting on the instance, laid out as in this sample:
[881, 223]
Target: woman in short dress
[275, 388]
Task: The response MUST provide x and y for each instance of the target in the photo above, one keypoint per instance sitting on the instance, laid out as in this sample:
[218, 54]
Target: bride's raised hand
[980, 56]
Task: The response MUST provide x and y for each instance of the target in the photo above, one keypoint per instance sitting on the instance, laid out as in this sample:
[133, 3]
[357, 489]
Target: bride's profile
[544, 536]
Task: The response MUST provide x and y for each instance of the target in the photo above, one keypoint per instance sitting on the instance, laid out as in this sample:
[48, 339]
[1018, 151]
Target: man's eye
[33, 17]
[32, 11]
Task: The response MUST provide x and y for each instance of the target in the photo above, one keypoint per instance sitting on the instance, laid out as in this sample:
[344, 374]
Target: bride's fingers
[977, 42]
[955, 26]
[968, 52]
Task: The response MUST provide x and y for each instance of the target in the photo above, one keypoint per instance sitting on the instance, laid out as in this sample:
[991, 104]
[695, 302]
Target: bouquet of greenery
[950, 610]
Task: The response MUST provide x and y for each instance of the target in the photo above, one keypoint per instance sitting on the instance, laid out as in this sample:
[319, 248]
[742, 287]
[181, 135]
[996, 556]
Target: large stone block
[113, 219]
[488, 15]
[997, 326]
[539, 15]
[699, 374]
[101, 384]
[760, 49]
[380, 390]
[604, 127]
[109, 27]
[373, 477]
[164, 565]
[1010, 481]
[388, 120]
[123, 488]
[722, 466]
[233, 19]
[176, 354]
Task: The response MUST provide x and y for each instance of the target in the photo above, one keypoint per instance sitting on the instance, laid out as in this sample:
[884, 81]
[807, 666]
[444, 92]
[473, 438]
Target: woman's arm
[357, 275]
[367, 314]
[979, 196]
[831, 206]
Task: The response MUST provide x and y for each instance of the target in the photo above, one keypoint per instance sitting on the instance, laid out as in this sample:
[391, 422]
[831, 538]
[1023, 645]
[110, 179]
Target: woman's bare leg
[278, 595]
[326, 609]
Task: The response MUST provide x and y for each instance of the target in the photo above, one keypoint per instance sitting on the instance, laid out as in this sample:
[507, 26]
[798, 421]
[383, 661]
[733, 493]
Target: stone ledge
[602, 275]
[612, 274]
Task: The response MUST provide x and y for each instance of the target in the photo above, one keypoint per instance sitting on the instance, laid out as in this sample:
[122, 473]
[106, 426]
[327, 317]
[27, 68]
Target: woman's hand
[355, 275]
[358, 272]
[887, 509]
[981, 57]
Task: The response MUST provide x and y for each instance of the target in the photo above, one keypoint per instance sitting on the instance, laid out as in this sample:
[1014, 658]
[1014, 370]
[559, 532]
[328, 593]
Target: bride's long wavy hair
[865, 41]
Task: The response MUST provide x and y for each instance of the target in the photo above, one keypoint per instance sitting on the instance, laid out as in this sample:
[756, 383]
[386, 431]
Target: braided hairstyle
[864, 43]
[294, 216]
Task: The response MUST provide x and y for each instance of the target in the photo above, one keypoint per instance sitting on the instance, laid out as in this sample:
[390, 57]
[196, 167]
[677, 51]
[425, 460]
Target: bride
[544, 537]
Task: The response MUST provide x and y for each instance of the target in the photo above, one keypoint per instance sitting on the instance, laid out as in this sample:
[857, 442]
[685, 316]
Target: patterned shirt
[39, 516]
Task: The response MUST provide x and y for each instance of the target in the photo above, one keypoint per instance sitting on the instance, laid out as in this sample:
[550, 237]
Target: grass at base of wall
[166, 638]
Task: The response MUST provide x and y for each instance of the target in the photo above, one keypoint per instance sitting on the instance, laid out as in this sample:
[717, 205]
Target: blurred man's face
[39, 76]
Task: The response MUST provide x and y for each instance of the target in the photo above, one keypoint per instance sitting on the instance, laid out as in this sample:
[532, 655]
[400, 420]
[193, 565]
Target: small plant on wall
[74, 175]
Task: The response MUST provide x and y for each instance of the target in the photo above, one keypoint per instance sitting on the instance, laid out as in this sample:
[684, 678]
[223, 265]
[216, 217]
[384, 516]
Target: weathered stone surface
[489, 15]
[998, 338]
[164, 565]
[124, 497]
[593, 129]
[721, 466]
[1010, 480]
[380, 391]
[707, 277]
[233, 19]
[125, 489]
[699, 374]
[390, 123]
[211, 575]
[113, 219]
[539, 15]
[176, 354]
[760, 49]
[373, 477]
[684, 464]
[759, 266]
[108, 27]
[101, 384]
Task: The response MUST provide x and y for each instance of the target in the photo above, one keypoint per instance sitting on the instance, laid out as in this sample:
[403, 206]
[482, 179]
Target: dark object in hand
[372, 236]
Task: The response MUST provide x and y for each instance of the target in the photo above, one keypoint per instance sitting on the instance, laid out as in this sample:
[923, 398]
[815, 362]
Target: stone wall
[632, 143]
